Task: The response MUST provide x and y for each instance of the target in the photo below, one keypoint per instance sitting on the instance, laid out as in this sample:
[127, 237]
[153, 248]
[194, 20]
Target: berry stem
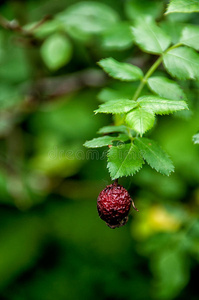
[115, 182]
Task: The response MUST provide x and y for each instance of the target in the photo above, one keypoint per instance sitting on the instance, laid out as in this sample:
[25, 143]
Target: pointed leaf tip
[119, 70]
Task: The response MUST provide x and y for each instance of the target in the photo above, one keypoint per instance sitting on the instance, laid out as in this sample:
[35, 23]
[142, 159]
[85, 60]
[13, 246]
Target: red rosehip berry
[113, 205]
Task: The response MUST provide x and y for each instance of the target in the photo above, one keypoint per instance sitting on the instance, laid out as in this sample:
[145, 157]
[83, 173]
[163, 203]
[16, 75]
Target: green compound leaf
[118, 37]
[140, 120]
[99, 142]
[124, 160]
[116, 106]
[182, 63]
[161, 106]
[183, 6]
[190, 36]
[112, 129]
[56, 51]
[155, 156]
[166, 88]
[149, 37]
[196, 138]
[121, 71]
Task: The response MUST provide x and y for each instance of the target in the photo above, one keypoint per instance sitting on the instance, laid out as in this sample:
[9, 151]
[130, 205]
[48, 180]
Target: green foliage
[149, 37]
[139, 113]
[182, 63]
[99, 142]
[190, 36]
[172, 28]
[56, 51]
[111, 129]
[88, 18]
[196, 138]
[46, 29]
[116, 106]
[123, 90]
[165, 88]
[140, 120]
[107, 93]
[154, 155]
[124, 160]
[121, 71]
[118, 37]
[134, 8]
[183, 6]
[161, 106]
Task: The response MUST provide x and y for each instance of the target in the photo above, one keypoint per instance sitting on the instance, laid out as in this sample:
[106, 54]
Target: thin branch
[54, 87]
[15, 26]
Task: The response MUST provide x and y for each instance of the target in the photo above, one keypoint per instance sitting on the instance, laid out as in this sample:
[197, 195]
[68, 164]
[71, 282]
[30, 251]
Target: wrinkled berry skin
[113, 205]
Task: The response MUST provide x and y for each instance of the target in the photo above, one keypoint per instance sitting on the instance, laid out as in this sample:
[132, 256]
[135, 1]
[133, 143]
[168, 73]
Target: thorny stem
[151, 71]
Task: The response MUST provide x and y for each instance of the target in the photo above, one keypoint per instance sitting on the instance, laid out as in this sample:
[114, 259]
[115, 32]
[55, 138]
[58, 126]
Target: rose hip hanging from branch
[113, 205]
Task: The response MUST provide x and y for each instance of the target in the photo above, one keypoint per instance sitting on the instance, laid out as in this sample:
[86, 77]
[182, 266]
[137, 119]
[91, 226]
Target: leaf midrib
[156, 39]
[170, 86]
[169, 102]
[191, 38]
[141, 120]
[181, 57]
[124, 160]
[153, 153]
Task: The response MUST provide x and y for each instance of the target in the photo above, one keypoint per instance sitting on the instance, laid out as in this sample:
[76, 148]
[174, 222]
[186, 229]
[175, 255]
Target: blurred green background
[52, 243]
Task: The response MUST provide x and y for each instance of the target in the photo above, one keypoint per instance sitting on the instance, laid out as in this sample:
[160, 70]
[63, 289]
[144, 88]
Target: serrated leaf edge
[111, 140]
[129, 174]
[163, 113]
[169, 172]
[111, 74]
[172, 82]
[116, 113]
